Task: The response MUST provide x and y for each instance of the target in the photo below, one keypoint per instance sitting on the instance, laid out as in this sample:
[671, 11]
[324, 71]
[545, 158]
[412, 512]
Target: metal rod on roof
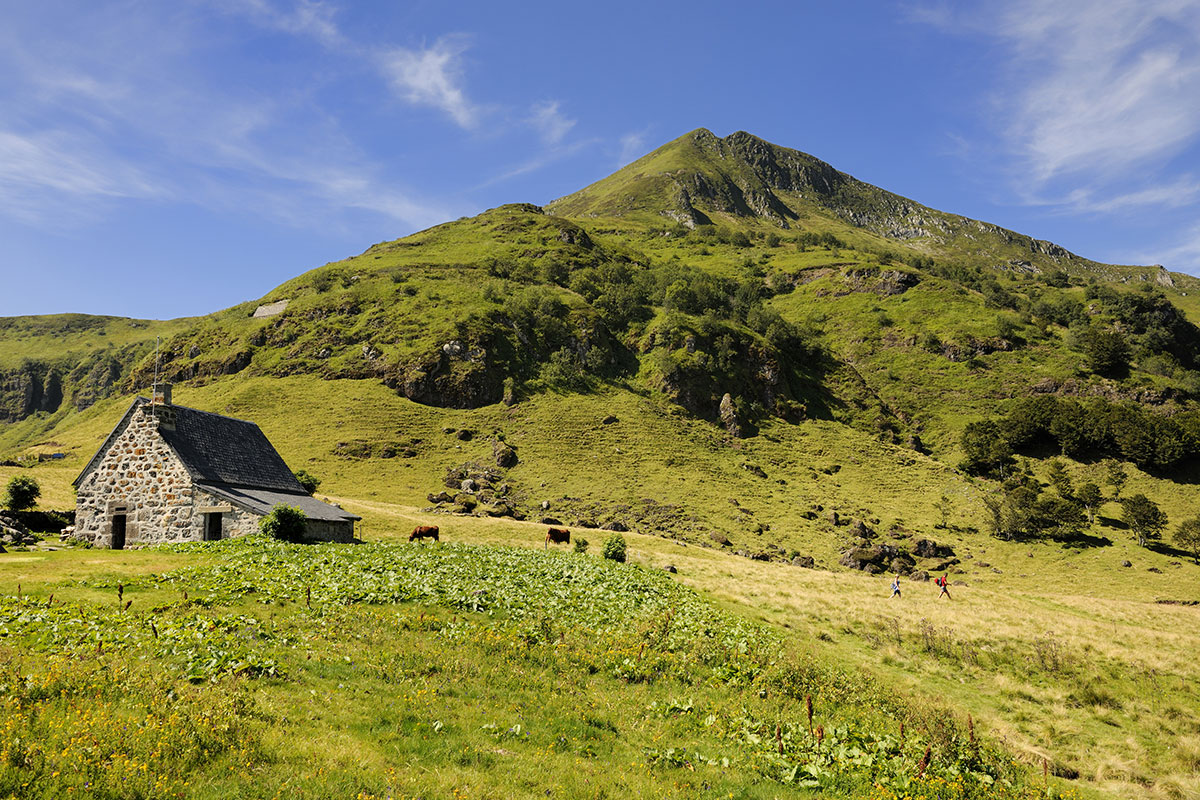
[154, 387]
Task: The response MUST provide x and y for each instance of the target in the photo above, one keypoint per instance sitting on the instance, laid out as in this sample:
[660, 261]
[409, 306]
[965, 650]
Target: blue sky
[161, 159]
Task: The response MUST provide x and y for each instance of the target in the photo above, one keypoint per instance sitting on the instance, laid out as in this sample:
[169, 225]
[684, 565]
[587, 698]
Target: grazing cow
[558, 536]
[424, 532]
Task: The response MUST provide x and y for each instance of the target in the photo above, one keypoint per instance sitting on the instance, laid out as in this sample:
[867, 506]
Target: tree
[1187, 536]
[1144, 518]
[284, 522]
[985, 446]
[309, 481]
[1115, 476]
[1089, 496]
[1107, 353]
[944, 507]
[1059, 479]
[22, 493]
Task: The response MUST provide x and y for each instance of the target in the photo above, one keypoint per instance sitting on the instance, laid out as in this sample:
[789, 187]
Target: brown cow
[558, 536]
[424, 532]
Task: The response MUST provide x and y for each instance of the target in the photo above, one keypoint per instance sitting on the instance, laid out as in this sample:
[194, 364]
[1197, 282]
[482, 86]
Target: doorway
[212, 527]
[118, 532]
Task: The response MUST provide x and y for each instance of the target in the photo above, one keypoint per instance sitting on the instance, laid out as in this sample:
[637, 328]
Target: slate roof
[224, 450]
[261, 501]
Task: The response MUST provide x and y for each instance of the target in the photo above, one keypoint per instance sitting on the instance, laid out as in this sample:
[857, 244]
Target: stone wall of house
[234, 522]
[329, 531]
[140, 473]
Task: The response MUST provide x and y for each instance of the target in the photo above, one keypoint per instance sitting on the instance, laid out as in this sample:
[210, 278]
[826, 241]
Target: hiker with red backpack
[942, 582]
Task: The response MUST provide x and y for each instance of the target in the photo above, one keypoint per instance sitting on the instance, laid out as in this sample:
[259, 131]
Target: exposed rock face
[729, 416]
[453, 376]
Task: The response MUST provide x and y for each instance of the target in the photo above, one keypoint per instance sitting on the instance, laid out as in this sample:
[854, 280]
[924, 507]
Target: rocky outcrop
[729, 418]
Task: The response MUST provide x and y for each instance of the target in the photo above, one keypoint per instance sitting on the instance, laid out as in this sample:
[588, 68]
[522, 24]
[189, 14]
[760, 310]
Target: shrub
[309, 481]
[284, 522]
[21, 493]
[614, 548]
[581, 544]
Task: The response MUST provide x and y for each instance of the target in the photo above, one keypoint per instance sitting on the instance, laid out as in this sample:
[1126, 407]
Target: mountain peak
[742, 180]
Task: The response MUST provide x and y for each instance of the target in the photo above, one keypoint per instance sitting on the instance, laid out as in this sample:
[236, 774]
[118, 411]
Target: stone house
[172, 474]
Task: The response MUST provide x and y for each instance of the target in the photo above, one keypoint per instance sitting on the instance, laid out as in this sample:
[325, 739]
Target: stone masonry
[141, 475]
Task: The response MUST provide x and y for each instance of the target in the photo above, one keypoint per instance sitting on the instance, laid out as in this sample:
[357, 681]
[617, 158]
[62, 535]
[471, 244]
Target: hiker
[896, 587]
[942, 582]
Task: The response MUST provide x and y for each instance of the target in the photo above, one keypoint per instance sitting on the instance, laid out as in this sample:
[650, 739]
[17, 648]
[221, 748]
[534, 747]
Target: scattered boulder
[861, 530]
[440, 497]
[609, 420]
[879, 557]
[720, 539]
[469, 485]
[466, 501]
[1126, 563]
[834, 519]
[615, 525]
[670, 568]
[920, 575]
[754, 469]
[465, 435]
[1155, 569]
[927, 548]
[504, 454]
[586, 523]
[498, 510]
[808, 562]
[551, 521]
[14, 532]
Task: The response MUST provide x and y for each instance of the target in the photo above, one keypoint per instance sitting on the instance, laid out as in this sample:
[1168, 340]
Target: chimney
[162, 394]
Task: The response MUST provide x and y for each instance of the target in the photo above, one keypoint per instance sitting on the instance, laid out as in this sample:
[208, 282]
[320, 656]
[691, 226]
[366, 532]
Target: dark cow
[557, 536]
[424, 532]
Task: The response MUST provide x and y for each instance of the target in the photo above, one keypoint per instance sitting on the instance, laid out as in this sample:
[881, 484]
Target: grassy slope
[405, 298]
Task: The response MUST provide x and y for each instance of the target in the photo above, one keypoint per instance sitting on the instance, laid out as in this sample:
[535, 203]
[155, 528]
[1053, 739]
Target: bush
[21, 493]
[614, 548]
[284, 522]
[309, 481]
[581, 544]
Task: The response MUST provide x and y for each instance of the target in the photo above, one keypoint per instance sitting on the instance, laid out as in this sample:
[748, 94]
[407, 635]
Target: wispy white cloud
[91, 125]
[1178, 194]
[303, 17]
[433, 77]
[633, 146]
[1183, 254]
[549, 122]
[1095, 98]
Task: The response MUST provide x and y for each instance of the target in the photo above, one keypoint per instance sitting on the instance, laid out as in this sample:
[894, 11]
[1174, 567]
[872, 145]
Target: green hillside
[746, 359]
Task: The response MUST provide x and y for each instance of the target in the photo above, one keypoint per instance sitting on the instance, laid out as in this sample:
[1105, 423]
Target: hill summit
[700, 178]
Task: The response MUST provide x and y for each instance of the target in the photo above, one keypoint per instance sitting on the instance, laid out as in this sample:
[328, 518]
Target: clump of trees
[1025, 509]
[1097, 428]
